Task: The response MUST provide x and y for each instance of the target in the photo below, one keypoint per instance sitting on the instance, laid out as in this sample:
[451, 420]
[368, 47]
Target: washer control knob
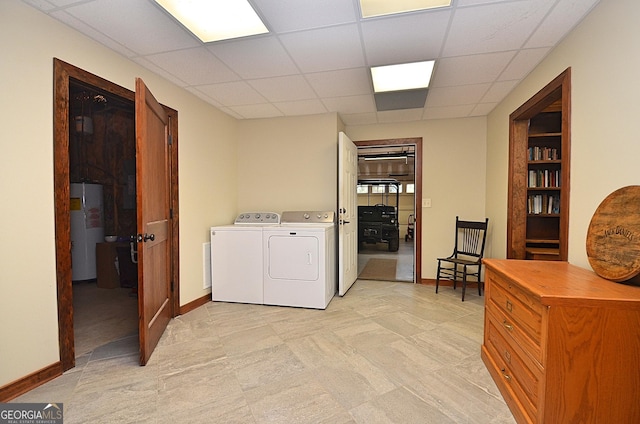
[306, 216]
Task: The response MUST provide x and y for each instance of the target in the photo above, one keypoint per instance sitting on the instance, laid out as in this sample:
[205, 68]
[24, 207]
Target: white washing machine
[300, 260]
[237, 258]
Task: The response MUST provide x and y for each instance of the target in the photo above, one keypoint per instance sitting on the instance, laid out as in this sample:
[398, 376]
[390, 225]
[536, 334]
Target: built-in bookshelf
[537, 227]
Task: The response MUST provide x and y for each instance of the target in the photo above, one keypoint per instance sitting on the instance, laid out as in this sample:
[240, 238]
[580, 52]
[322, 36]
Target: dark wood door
[152, 169]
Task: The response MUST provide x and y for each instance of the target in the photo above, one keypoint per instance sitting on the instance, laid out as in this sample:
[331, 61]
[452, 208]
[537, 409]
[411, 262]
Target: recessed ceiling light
[216, 20]
[370, 8]
[406, 76]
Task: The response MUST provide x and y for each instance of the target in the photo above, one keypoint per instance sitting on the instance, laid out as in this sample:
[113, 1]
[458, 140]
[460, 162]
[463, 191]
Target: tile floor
[384, 353]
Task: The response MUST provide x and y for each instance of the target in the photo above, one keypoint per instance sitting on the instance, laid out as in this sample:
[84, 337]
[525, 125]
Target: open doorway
[86, 108]
[388, 210]
[102, 181]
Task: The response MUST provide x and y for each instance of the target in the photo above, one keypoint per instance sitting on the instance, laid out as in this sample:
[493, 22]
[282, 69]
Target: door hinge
[172, 287]
[170, 139]
[171, 213]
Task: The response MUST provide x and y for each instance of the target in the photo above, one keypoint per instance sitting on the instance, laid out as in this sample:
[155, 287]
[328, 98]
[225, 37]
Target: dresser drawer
[524, 370]
[521, 308]
[515, 333]
[509, 378]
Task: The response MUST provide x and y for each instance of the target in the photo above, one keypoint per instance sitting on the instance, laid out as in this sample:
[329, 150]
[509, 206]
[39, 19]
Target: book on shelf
[547, 204]
[543, 153]
[545, 178]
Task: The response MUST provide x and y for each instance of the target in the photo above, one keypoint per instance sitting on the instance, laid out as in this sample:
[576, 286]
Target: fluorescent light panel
[370, 8]
[216, 20]
[406, 76]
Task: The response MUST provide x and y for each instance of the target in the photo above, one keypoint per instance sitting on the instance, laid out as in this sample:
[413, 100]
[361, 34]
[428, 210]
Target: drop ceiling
[317, 55]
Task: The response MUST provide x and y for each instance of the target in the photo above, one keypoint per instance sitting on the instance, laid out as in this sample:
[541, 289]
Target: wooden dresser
[561, 343]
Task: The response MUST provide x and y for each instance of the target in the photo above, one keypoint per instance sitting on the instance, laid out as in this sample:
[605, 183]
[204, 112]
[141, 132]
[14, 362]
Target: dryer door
[293, 257]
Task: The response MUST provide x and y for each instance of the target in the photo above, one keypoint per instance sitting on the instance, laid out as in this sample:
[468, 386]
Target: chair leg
[438, 277]
[464, 281]
[480, 284]
[455, 276]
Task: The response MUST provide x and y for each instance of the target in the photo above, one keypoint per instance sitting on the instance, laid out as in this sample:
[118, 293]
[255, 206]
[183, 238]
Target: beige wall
[207, 155]
[288, 163]
[602, 52]
[453, 176]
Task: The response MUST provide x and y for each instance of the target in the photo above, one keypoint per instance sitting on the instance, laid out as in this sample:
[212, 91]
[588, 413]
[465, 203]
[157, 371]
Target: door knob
[145, 237]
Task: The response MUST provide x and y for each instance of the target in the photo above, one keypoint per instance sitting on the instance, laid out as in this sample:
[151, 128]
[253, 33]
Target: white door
[347, 213]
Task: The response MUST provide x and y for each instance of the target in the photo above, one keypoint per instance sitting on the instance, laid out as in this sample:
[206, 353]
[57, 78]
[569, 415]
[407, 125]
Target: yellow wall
[288, 163]
[602, 52]
[29, 41]
[453, 176]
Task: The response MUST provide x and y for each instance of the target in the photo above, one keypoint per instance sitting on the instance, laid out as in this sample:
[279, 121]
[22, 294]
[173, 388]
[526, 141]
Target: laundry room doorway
[389, 209]
[96, 143]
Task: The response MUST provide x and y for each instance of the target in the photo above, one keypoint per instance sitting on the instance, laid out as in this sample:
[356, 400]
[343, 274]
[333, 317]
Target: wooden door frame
[417, 230]
[556, 94]
[63, 73]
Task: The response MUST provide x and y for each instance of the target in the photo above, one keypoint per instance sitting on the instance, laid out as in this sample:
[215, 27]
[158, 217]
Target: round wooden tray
[613, 238]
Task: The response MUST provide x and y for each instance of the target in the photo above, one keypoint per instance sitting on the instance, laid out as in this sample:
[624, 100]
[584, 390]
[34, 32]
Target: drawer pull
[505, 375]
[507, 325]
[509, 306]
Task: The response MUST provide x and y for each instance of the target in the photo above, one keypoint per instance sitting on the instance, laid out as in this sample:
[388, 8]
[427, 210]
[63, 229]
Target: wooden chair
[466, 259]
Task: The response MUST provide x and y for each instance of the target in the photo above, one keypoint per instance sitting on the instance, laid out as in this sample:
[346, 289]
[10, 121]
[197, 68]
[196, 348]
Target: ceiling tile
[255, 57]
[359, 118]
[91, 32]
[498, 91]
[42, 4]
[158, 70]
[494, 27]
[325, 49]
[405, 115]
[455, 70]
[282, 89]
[447, 112]
[405, 38]
[350, 104]
[345, 82]
[317, 56]
[301, 107]
[523, 63]
[458, 95]
[135, 25]
[293, 15]
[265, 110]
[232, 93]
[397, 100]
[210, 70]
[562, 19]
[482, 109]
[204, 97]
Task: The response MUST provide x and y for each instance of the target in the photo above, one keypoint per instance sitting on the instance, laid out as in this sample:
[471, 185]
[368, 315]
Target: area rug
[379, 269]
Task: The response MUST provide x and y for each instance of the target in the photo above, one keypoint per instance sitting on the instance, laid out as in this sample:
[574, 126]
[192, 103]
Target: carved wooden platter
[613, 238]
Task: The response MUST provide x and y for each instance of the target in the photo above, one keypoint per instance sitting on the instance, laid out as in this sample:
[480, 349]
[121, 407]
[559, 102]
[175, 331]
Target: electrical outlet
[426, 203]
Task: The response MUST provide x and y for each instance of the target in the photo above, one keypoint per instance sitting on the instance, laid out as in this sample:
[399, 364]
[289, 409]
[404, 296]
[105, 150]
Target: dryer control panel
[311, 217]
[257, 218]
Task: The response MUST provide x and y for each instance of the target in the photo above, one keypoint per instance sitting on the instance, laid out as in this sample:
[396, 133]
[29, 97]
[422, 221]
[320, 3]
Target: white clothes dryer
[237, 258]
[300, 260]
